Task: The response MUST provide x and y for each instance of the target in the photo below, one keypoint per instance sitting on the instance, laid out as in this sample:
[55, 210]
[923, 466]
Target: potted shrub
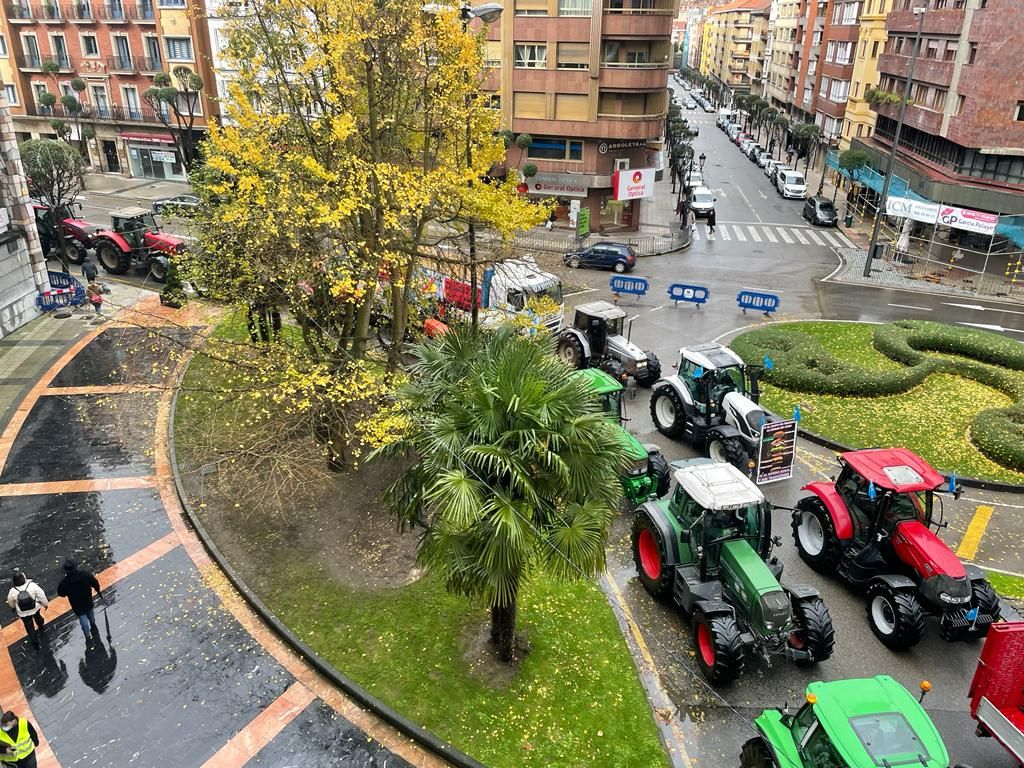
[173, 294]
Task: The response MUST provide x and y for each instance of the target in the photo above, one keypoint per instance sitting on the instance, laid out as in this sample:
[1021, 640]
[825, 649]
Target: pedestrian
[77, 586]
[95, 295]
[711, 221]
[27, 599]
[18, 741]
[89, 271]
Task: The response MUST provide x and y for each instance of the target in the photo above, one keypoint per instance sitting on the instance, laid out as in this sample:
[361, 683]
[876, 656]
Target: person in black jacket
[89, 271]
[77, 586]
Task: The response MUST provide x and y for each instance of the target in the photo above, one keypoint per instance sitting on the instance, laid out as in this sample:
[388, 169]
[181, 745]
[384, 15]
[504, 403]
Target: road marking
[756, 214]
[798, 236]
[739, 235]
[987, 327]
[724, 232]
[754, 234]
[832, 240]
[815, 238]
[655, 309]
[972, 538]
[770, 235]
[577, 293]
[980, 308]
[762, 194]
[847, 242]
[911, 306]
[785, 236]
[696, 232]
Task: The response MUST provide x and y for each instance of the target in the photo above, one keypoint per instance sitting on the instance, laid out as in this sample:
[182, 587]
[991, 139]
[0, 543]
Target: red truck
[997, 690]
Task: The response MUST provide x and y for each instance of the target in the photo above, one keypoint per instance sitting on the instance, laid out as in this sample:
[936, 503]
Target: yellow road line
[645, 654]
[972, 539]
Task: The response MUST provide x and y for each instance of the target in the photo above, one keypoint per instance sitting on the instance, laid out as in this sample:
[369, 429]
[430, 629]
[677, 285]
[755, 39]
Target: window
[573, 55]
[60, 51]
[637, 57]
[1018, 115]
[531, 55]
[931, 49]
[950, 53]
[172, 3]
[571, 106]
[493, 54]
[493, 101]
[90, 46]
[839, 91]
[972, 52]
[573, 7]
[178, 48]
[189, 103]
[3, 47]
[555, 149]
[11, 94]
[874, 50]
[531, 7]
[819, 750]
[529, 105]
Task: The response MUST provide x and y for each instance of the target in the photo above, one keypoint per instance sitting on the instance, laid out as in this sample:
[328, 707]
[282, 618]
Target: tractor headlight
[953, 599]
[775, 611]
[637, 467]
[641, 364]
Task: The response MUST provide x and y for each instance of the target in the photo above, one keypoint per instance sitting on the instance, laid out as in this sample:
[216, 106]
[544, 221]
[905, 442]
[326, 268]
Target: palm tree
[781, 125]
[514, 468]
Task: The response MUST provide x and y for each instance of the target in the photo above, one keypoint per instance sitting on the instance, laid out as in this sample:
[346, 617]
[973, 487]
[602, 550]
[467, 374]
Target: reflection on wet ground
[125, 356]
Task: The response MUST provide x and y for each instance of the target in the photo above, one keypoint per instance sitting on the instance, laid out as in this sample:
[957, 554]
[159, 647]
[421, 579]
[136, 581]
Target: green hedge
[802, 364]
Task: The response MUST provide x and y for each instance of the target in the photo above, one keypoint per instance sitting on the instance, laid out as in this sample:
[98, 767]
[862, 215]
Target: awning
[151, 138]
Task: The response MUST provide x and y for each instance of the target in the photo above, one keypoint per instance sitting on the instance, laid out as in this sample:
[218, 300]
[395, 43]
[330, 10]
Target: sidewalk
[125, 186]
[180, 673]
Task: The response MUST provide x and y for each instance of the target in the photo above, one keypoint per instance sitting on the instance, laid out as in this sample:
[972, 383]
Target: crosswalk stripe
[814, 236]
[739, 234]
[754, 234]
[847, 243]
[785, 236]
[798, 236]
[770, 235]
[832, 239]
[723, 231]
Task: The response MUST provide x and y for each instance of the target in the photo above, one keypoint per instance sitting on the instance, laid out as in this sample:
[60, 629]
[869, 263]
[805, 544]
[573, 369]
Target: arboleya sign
[632, 184]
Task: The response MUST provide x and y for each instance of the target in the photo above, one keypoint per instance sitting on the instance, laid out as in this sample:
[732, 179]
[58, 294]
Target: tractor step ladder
[687, 581]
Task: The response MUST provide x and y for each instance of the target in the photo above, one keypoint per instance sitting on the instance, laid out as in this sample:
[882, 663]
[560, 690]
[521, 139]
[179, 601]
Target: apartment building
[963, 135]
[860, 116]
[116, 48]
[734, 35]
[587, 81]
[783, 64]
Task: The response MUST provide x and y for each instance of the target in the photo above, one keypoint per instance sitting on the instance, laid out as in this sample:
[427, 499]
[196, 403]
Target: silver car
[762, 159]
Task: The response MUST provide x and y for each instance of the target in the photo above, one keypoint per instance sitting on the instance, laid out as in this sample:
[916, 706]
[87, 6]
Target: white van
[791, 184]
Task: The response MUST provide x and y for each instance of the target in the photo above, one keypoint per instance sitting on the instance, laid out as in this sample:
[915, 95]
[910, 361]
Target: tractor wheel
[718, 646]
[895, 616]
[985, 599]
[651, 373]
[651, 556]
[659, 472]
[729, 450]
[158, 270]
[815, 536]
[571, 351]
[112, 258]
[756, 754]
[816, 634]
[74, 251]
[667, 411]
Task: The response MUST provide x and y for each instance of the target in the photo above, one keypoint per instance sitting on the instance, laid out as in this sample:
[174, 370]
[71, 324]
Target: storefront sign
[906, 208]
[5, 220]
[966, 219]
[149, 138]
[609, 146]
[777, 453]
[558, 189]
[633, 184]
[583, 223]
[162, 157]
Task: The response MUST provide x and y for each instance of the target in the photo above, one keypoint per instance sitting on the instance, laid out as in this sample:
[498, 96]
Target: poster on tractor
[777, 452]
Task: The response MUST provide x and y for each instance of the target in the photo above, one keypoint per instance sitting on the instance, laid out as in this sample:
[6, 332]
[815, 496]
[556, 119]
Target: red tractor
[135, 241]
[78, 233]
[872, 526]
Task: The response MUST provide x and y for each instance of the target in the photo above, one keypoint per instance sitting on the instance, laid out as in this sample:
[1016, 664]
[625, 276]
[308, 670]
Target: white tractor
[712, 403]
[595, 340]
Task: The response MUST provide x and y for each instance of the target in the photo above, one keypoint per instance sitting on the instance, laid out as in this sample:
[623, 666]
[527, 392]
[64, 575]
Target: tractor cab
[598, 321]
[134, 224]
[711, 371]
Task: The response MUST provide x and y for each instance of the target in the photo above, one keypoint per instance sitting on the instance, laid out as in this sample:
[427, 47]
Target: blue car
[617, 256]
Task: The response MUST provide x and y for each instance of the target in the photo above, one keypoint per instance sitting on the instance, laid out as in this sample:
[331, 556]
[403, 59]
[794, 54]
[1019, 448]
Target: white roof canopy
[718, 486]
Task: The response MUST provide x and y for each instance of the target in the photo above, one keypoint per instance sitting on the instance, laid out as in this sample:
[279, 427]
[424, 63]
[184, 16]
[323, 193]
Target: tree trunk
[503, 628]
[58, 230]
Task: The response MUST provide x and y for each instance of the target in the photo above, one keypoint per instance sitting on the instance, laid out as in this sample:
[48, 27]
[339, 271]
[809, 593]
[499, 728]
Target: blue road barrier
[635, 286]
[763, 302]
[65, 291]
[695, 294]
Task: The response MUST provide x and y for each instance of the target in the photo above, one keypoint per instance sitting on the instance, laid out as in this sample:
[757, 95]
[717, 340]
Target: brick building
[588, 83]
[734, 36]
[116, 49]
[963, 134]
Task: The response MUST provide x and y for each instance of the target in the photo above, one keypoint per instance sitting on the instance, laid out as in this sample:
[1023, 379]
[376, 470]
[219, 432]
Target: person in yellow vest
[18, 741]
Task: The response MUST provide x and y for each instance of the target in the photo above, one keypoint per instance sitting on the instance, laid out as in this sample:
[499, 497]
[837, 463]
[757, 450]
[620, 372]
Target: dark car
[617, 256]
[819, 210]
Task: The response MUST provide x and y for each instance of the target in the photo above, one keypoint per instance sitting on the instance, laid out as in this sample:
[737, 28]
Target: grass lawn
[575, 700]
[1007, 586]
[932, 419]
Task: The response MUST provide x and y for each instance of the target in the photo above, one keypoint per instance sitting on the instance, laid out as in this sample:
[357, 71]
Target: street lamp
[487, 13]
[873, 247]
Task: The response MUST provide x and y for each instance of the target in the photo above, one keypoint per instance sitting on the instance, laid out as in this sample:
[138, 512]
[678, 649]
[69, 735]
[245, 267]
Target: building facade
[860, 117]
[784, 61]
[587, 82]
[115, 49]
[963, 136]
[734, 35]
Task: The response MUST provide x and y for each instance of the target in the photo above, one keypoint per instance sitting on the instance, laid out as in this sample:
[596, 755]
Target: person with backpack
[89, 271]
[95, 295]
[27, 599]
[77, 586]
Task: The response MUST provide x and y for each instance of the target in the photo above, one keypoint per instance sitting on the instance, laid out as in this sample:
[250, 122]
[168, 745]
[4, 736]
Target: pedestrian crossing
[772, 233]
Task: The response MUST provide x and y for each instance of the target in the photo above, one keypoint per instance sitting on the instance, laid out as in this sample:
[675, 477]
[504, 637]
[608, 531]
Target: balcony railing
[121, 64]
[19, 12]
[640, 8]
[145, 12]
[47, 12]
[636, 65]
[30, 61]
[617, 116]
[81, 12]
[91, 112]
[148, 65]
[115, 14]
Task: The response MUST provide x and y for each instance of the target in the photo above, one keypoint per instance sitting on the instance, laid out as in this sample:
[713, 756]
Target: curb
[417, 733]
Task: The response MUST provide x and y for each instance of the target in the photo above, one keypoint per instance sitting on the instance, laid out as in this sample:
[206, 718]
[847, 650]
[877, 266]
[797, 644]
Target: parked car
[791, 184]
[694, 180]
[708, 107]
[691, 104]
[769, 165]
[733, 131]
[741, 137]
[754, 151]
[179, 204]
[776, 170]
[819, 210]
[702, 202]
[762, 159]
[617, 256]
[745, 145]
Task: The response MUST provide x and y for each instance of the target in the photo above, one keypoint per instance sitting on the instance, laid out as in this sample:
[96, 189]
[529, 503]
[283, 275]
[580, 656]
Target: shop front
[572, 191]
[154, 156]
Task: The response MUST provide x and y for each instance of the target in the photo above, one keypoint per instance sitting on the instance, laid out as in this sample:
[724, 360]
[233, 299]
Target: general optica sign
[972, 221]
[633, 184]
[906, 208]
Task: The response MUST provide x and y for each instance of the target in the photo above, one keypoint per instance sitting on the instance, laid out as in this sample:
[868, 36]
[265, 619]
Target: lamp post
[873, 247]
[487, 13]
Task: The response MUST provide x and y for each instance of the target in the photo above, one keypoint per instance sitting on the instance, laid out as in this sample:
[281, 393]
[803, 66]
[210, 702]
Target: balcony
[948, 21]
[48, 13]
[148, 66]
[926, 70]
[145, 13]
[926, 120]
[114, 14]
[617, 24]
[79, 13]
[743, 39]
[622, 76]
[19, 13]
[31, 62]
[114, 114]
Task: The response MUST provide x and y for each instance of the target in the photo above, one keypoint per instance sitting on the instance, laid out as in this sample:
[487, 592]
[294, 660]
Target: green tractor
[707, 548]
[848, 724]
[647, 472]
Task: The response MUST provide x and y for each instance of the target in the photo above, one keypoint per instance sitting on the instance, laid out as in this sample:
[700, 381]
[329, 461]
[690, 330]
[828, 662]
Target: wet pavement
[176, 674]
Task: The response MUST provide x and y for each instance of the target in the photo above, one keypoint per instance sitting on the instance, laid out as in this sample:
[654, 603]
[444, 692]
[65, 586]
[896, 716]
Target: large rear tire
[112, 258]
[158, 270]
[895, 616]
[985, 599]
[816, 634]
[729, 450]
[74, 251]
[659, 471]
[815, 536]
[650, 554]
[756, 754]
[571, 351]
[651, 373]
[667, 411]
[719, 650]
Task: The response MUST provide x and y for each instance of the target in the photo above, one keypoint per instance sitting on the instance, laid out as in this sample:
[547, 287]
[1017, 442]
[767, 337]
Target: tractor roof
[130, 212]
[896, 469]
[598, 380]
[874, 720]
[601, 309]
[716, 486]
[711, 356]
